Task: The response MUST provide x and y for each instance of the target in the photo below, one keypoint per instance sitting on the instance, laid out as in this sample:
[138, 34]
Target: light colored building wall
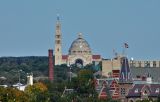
[145, 63]
[106, 67]
[157, 63]
[109, 65]
[64, 61]
[87, 59]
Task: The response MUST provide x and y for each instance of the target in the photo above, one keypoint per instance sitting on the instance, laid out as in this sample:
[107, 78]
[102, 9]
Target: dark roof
[154, 89]
[154, 72]
[137, 87]
[137, 90]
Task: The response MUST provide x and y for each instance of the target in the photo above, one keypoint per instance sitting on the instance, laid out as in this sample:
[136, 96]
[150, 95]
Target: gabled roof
[114, 84]
[138, 89]
[103, 93]
[114, 89]
[155, 89]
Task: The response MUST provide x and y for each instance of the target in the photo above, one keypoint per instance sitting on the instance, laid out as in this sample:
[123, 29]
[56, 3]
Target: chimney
[149, 79]
[51, 65]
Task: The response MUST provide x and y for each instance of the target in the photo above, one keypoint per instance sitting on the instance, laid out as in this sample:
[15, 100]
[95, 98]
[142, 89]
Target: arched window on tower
[57, 36]
[58, 42]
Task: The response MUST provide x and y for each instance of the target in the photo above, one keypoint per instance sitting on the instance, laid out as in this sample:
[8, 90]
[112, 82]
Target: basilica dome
[79, 46]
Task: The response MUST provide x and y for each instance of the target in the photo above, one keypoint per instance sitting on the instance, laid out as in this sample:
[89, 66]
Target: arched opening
[131, 101]
[79, 63]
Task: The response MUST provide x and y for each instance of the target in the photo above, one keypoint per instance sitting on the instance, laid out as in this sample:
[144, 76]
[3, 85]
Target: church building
[79, 52]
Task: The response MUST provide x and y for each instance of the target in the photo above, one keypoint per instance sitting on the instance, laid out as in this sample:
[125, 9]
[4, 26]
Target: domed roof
[79, 46]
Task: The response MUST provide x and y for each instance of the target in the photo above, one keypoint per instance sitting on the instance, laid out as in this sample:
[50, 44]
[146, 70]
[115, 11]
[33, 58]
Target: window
[154, 63]
[157, 90]
[58, 41]
[123, 91]
[147, 64]
[136, 90]
[139, 63]
[145, 92]
[74, 51]
[58, 26]
[57, 36]
[133, 64]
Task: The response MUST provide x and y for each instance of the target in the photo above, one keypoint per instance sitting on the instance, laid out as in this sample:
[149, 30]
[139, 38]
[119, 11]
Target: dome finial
[79, 35]
[58, 18]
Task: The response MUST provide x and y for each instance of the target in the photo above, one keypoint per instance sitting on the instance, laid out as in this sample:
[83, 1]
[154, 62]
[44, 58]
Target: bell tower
[58, 43]
[125, 80]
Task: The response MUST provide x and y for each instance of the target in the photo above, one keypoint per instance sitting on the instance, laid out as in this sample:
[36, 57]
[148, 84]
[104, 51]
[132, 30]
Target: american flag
[126, 45]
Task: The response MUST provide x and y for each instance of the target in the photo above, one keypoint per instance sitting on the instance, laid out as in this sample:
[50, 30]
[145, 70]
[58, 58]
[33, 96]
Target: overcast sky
[27, 27]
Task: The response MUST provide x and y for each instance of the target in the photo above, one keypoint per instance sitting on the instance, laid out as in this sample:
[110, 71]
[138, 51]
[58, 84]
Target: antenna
[115, 54]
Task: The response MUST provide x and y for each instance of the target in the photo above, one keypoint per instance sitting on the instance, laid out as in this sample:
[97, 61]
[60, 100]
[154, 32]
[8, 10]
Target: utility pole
[70, 74]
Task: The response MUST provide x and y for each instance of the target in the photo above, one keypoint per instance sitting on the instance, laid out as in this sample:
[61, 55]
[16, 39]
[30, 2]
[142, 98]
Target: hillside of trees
[11, 66]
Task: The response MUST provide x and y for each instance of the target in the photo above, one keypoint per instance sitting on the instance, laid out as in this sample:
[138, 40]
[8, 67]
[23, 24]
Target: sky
[27, 27]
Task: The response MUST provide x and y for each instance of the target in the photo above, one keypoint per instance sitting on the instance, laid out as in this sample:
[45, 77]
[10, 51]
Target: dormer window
[136, 90]
[145, 92]
[157, 90]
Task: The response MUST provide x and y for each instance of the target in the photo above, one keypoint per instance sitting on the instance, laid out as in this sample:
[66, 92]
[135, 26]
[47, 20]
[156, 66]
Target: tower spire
[58, 43]
[125, 74]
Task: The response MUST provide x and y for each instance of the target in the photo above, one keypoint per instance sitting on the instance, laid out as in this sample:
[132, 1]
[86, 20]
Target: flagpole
[123, 52]
[124, 49]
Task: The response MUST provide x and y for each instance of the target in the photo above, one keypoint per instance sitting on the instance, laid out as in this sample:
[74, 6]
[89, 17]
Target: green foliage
[158, 99]
[60, 73]
[38, 92]
[83, 84]
[84, 75]
[147, 100]
[9, 67]
[12, 94]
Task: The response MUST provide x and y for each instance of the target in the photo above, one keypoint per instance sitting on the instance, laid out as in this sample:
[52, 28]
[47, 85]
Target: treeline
[10, 67]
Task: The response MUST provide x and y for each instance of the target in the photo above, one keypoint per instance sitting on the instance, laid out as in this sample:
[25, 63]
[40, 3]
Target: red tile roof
[96, 56]
[103, 94]
[116, 71]
[64, 56]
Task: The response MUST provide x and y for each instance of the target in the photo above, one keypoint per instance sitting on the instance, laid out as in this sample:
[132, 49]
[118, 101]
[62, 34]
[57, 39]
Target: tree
[12, 94]
[158, 99]
[38, 92]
